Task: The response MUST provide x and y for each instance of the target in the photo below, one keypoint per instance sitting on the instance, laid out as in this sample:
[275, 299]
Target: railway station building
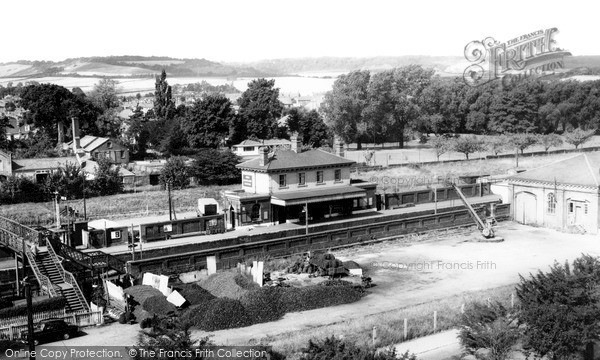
[562, 195]
[280, 184]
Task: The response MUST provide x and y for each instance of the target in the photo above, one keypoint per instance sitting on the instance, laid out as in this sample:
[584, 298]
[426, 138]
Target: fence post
[374, 334]
[405, 328]
[512, 300]
[434, 320]
[462, 308]
[10, 332]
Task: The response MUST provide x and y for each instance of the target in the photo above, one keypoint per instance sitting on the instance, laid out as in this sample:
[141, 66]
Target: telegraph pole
[30, 339]
[169, 194]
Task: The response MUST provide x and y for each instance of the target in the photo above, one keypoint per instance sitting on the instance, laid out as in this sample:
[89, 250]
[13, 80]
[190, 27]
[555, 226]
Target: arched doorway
[526, 208]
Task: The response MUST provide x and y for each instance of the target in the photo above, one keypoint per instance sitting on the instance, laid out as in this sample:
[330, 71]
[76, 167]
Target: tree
[578, 136]
[468, 145]
[513, 111]
[260, 108]
[309, 125]
[549, 140]
[497, 144]
[561, 308]
[522, 141]
[164, 107]
[51, 108]
[491, 327]
[67, 181]
[440, 145]
[345, 104]
[104, 94]
[214, 167]
[170, 338]
[107, 180]
[392, 106]
[207, 122]
[4, 124]
[175, 140]
[175, 172]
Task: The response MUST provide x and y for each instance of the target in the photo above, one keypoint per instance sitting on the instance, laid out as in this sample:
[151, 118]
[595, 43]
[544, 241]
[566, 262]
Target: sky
[250, 30]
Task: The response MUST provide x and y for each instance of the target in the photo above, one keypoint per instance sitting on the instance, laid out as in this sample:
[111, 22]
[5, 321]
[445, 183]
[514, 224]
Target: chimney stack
[75, 129]
[338, 146]
[296, 142]
[264, 156]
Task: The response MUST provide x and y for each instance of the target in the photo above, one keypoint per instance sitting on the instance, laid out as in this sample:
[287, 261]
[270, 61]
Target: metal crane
[484, 226]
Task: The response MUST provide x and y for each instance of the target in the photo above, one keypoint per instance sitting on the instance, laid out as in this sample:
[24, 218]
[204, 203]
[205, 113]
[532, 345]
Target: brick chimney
[338, 146]
[75, 129]
[296, 142]
[264, 156]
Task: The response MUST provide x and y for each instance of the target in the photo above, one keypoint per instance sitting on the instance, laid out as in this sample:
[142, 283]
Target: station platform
[270, 228]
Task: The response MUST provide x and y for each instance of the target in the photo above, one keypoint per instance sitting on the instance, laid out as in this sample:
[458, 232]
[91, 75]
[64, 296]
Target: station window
[551, 204]
[282, 180]
[301, 178]
[338, 175]
[571, 207]
[319, 177]
[248, 148]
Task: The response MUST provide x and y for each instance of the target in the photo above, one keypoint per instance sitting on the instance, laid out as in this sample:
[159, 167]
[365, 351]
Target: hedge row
[55, 303]
[270, 304]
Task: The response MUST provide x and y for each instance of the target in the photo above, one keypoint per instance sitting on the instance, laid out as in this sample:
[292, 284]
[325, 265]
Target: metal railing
[67, 276]
[42, 279]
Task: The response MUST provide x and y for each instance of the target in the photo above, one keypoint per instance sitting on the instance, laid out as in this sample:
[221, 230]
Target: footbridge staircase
[45, 264]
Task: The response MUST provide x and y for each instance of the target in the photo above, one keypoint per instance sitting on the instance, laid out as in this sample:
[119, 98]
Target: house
[250, 148]
[281, 184]
[95, 147]
[561, 195]
[39, 169]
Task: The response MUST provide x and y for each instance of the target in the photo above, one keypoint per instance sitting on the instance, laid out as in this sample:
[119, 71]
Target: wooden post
[405, 328]
[434, 320]
[374, 334]
[512, 300]
[306, 216]
[462, 308]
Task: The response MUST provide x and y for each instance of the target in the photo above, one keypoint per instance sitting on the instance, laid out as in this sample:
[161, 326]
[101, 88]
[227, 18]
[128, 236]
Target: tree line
[381, 107]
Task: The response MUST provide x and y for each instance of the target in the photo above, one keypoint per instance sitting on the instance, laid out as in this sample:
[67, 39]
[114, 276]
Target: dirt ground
[406, 275]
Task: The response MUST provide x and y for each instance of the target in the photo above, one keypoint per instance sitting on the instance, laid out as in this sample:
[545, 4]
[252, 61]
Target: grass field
[116, 206]
[390, 324]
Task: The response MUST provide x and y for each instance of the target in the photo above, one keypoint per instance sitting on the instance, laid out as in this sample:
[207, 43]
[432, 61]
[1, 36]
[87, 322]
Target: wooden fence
[11, 328]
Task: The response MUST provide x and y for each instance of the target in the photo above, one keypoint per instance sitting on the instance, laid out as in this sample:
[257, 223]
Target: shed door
[526, 208]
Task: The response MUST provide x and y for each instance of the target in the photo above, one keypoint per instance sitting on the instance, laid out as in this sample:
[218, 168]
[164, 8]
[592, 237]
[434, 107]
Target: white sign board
[176, 299]
[211, 264]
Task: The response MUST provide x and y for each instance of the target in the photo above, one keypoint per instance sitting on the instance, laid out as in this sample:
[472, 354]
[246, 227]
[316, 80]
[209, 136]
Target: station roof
[580, 170]
[317, 195]
[288, 160]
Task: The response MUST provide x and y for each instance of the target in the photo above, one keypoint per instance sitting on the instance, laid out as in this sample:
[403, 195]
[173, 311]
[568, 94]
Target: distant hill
[126, 66]
[444, 65]
[147, 66]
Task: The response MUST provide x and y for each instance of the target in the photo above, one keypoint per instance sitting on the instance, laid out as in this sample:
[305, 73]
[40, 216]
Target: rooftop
[42, 163]
[268, 142]
[580, 170]
[288, 159]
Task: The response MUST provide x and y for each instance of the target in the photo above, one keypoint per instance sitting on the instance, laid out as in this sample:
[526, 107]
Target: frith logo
[533, 54]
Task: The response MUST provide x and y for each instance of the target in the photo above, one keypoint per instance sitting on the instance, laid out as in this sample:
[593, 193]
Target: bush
[220, 313]
[264, 304]
[245, 282]
[334, 348]
[50, 304]
[158, 304]
[214, 167]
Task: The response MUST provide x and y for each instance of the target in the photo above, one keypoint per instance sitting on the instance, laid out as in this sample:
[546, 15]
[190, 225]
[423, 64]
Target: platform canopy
[317, 195]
